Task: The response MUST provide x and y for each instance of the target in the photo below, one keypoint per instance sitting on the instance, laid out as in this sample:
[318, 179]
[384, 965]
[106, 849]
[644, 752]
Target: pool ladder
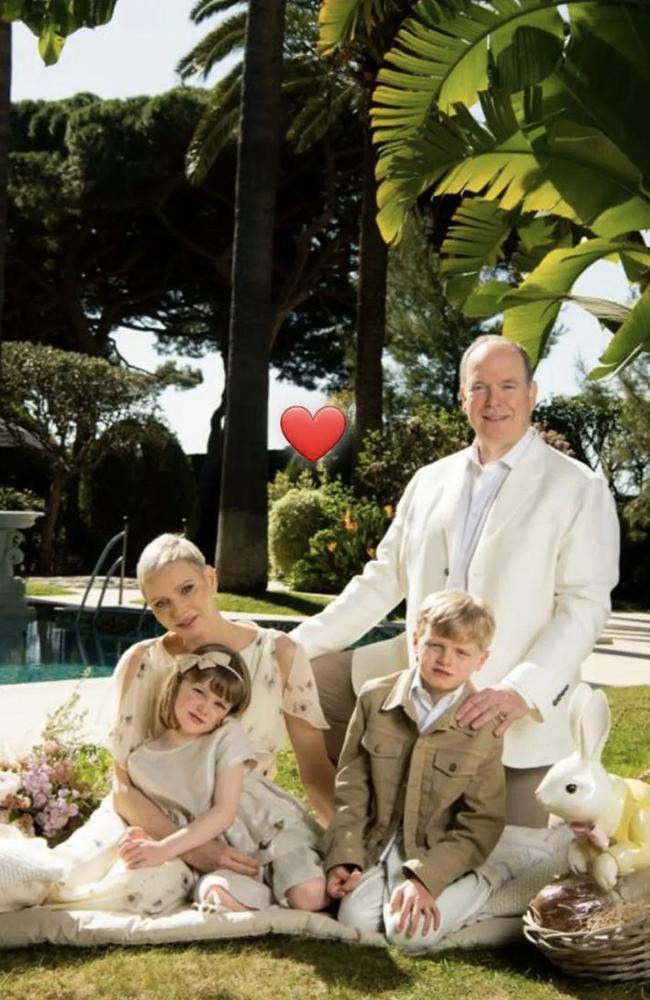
[120, 537]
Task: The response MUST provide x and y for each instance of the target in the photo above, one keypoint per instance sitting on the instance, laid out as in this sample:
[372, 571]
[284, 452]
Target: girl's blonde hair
[167, 549]
[232, 683]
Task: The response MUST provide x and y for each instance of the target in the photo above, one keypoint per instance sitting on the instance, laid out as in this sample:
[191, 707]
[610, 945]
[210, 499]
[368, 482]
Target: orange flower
[371, 553]
[389, 510]
[331, 546]
[347, 522]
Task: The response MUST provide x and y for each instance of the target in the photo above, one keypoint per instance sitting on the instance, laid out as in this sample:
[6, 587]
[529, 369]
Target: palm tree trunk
[371, 302]
[209, 490]
[5, 104]
[241, 541]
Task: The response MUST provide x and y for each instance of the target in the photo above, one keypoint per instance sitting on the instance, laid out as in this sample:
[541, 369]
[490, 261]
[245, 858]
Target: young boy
[420, 799]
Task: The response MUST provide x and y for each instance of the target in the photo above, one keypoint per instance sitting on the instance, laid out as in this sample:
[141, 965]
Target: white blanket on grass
[86, 929]
[500, 924]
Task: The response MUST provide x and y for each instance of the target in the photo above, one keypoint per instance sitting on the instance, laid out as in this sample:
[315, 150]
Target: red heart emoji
[312, 437]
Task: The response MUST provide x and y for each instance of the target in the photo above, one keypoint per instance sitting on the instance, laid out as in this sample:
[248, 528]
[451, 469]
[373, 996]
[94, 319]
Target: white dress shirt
[481, 486]
[480, 489]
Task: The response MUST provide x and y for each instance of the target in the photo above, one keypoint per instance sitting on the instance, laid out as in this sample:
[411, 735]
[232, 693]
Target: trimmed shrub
[137, 470]
[287, 479]
[294, 518]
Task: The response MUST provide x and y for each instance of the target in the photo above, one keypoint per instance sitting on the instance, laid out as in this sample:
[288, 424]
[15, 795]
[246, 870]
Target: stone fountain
[12, 588]
[15, 614]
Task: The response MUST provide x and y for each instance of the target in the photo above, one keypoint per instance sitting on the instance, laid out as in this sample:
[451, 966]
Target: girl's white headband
[206, 661]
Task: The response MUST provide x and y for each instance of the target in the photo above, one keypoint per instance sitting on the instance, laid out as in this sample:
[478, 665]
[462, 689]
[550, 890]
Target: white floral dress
[270, 824]
[263, 720]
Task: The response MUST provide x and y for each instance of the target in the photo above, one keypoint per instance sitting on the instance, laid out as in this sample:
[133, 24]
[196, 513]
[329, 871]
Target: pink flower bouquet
[49, 791]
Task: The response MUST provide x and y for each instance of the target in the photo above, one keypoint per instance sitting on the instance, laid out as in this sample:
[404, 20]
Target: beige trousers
[333, 679]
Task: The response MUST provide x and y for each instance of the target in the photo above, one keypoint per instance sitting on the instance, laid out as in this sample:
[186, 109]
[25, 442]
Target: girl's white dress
[182, 782]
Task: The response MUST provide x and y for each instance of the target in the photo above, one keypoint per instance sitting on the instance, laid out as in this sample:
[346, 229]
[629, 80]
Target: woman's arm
[139, 853]
[316, 770]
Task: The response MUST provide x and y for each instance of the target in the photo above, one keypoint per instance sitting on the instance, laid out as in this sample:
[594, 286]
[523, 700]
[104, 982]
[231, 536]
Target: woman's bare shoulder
[285, 651]
[284, 646]
[132, 659]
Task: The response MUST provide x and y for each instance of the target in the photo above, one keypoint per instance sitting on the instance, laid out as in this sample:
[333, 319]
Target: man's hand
[503, 704]
[145, 853]
[341, 881]
[414, 901]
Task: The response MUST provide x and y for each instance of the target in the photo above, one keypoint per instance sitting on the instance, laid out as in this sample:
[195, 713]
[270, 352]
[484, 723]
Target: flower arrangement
[50, 791]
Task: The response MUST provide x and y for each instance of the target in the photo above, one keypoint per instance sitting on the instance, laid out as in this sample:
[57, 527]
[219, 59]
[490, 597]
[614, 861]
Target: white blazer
[546, 562]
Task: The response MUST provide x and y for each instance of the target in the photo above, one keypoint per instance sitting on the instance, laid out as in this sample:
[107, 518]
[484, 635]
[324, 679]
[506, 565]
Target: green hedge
[138, 470]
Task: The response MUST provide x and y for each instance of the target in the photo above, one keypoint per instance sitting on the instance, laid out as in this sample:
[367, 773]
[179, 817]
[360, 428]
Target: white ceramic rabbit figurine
[610, 816]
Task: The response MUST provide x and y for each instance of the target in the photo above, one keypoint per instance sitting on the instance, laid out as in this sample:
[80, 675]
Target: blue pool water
[53, 646]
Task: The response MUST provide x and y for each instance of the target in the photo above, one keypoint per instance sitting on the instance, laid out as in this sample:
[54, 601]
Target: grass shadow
[348, 969]
[275, 967]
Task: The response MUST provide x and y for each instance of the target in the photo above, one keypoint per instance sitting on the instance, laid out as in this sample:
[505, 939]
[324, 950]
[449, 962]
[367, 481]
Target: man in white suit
[510, 519]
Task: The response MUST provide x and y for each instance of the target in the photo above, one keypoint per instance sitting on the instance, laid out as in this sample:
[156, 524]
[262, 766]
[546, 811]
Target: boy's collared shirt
[442, 791]
[425, 710]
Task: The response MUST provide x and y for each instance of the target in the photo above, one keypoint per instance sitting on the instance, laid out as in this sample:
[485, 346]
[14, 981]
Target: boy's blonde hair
[232, 683]
[167, 549]
[457, 615]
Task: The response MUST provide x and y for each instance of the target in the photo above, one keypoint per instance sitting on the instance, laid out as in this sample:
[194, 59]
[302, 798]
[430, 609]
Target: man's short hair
[167, 549]
[457, 615]
[495, 338]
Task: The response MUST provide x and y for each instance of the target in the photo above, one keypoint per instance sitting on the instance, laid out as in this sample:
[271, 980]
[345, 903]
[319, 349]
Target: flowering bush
[341, 549]
[51, 790]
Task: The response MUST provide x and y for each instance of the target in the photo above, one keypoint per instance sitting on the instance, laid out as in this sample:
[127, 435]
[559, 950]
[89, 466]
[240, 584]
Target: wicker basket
[616, 953]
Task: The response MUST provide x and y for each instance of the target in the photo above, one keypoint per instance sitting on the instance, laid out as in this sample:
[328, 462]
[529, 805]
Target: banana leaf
[530, 311]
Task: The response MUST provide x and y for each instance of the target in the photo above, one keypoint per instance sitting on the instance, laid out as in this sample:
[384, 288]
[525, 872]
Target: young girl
[197, 772]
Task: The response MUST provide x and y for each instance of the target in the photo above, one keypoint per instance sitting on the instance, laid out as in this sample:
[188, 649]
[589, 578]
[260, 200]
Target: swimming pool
[54, 646]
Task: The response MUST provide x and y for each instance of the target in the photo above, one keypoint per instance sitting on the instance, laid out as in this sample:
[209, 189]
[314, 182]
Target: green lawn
[38, 589]
[302, 969]
[284, 969]
[628, 748]
[272, 602]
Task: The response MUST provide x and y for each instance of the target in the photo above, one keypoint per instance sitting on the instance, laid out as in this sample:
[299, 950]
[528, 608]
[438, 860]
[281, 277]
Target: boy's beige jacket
[445, 789]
